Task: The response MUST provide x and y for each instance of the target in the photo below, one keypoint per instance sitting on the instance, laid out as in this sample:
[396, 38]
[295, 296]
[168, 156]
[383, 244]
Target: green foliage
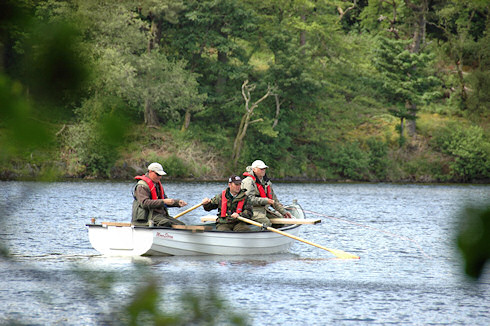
[175, 166]
[42, 67]
[473, 238]
[405, 78]
[464, 29]
[16, 115]
[378, 157]
[377, 16]
[209, 37]
[479, 99]
[185, 66]
[469, 149]
[54, 57]
[148, 303]
[96, 143]
[351, 162]
[195, 309]
[272, 150]
[167, 85]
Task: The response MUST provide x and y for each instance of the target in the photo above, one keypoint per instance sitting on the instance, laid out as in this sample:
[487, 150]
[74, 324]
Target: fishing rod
[372, 228]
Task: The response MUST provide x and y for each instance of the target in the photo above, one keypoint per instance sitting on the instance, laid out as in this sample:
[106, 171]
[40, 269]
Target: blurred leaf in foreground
[474, 238]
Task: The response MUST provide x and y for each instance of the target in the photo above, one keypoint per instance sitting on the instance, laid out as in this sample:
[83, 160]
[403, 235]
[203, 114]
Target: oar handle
[187, 210]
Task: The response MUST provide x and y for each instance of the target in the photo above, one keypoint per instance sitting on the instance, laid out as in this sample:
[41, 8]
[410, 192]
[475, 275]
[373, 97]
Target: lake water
[409, 273]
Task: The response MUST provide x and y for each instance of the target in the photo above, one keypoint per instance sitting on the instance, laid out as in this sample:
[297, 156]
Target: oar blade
[343, 255]
[338, 253]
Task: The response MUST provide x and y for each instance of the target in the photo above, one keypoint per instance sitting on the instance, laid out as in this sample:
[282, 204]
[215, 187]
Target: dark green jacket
[231, 206]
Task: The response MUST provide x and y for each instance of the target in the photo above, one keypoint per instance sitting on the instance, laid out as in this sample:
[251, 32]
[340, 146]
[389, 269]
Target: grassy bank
[445, 149]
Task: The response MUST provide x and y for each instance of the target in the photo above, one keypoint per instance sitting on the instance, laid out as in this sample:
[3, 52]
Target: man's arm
[247, 211]
[143, 196]
[213, 203]
[278, 206]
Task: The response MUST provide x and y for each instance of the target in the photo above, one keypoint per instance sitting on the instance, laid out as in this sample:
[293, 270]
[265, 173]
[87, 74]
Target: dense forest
[379, 90]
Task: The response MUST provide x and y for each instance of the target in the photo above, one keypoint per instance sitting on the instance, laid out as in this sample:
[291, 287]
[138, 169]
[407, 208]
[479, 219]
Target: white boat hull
[138, 241]
[130, 240]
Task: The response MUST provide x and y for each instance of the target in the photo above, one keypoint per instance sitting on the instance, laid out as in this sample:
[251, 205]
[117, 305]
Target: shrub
[468, 148]
[378, 157]
[96, 144]
[351, 162]
[175, 166]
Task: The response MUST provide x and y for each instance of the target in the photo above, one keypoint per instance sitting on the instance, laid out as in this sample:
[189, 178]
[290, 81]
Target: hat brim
[160, 172]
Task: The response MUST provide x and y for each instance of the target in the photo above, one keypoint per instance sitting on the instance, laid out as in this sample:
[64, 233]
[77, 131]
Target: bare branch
[61, 130]
[342, 12]
[245, 121]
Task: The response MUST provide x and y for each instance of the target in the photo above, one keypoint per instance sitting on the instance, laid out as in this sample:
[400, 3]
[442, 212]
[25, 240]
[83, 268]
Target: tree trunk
[155, 33]
[221, 80]
[411, 123]
[462, 83]
[402, 120]
[420, 12]
[278, 110]
[151, 118]
[302, 36]
[238, 143]
[187, 120]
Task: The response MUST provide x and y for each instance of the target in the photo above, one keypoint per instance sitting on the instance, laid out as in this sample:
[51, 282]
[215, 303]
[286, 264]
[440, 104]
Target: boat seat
[115, 224]
[194, 228]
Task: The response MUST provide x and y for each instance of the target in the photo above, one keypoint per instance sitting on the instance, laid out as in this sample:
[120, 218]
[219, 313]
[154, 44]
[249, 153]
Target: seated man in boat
[258, 188]
[150, 201]
[231, 203]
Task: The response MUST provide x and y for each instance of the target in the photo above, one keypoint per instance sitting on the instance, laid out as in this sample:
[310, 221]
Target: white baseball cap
[259, 164]
[156, 167]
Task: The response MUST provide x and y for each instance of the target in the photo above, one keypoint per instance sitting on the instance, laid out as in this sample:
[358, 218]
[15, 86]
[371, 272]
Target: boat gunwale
[145, 227]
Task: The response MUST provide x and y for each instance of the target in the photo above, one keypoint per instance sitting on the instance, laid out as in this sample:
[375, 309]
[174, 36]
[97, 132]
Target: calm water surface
[409, 272]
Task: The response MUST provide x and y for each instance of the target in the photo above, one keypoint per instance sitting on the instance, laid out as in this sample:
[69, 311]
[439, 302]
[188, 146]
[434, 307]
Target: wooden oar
[336, 252]
[187, 210]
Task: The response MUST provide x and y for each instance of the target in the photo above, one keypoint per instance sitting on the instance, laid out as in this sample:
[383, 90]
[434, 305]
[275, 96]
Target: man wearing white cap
[259, 191]
[150, 201]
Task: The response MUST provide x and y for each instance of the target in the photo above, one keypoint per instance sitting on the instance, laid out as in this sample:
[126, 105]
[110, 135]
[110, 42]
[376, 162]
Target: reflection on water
[409, 271]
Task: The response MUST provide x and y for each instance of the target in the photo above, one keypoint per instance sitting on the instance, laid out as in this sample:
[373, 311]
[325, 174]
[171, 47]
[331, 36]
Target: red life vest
[152, 186]
[262, 192]
[224, 204]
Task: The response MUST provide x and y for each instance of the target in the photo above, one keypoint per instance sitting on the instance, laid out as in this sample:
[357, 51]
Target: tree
[405, 78]
[130, 73]
[212, 37]
[129, 61]
[41, 67]
[465, 28]
[245, 122]
[405, 20]
[156, 12]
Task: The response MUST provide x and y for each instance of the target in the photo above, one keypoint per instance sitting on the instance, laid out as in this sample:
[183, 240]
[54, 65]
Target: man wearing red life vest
[231, 203]
[259, 191]
[150, 201]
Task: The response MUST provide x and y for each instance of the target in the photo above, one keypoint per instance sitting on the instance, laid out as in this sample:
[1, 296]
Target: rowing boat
[124, 239]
